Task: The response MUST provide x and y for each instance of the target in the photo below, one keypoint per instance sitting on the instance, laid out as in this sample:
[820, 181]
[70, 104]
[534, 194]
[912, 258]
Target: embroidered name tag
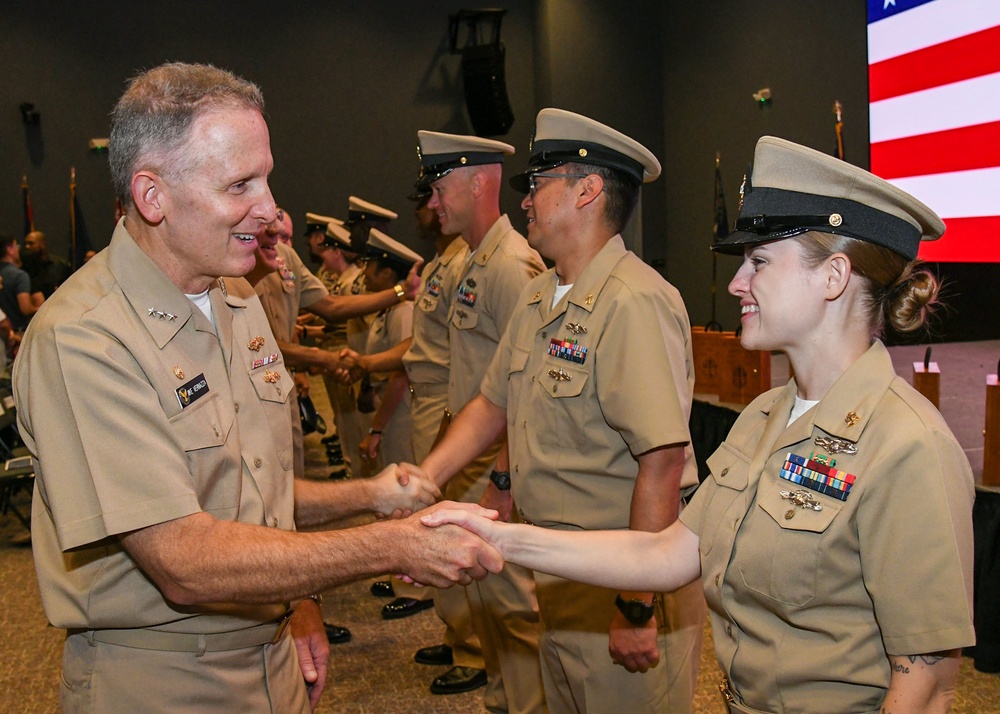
[817, 476]
[189, 393]
[270, 359]
[568, 349]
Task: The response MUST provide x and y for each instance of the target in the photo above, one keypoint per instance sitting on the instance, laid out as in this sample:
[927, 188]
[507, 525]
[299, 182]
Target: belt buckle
[727, 693]
[282, 624]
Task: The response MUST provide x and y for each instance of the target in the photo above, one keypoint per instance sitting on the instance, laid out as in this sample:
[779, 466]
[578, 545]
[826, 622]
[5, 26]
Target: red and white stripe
[934, 88]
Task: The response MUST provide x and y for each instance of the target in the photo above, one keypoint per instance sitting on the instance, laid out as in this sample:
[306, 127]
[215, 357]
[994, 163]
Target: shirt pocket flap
[562, 382]
[518, 359]
[202, 425]
[273, 383]
[790, 516]
[464, 319]
[729, 468]
[427, 303]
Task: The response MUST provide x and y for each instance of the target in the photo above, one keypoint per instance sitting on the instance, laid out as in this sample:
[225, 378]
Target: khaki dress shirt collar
[491, 241]
[587, 287]
[843, 412]
[164, 307]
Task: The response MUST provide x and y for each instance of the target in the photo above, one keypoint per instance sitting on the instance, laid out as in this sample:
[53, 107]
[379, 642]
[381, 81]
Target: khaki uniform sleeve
[638, 354]
[915, 530]
[313, 288]
[494, 385]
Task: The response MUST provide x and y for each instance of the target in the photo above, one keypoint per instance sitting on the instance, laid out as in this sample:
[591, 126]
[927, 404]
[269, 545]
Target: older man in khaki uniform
[464, 175]
[593, 381]
[157, 410]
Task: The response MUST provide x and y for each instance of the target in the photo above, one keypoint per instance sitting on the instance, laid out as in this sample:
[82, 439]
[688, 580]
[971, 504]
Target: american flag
[934, 93]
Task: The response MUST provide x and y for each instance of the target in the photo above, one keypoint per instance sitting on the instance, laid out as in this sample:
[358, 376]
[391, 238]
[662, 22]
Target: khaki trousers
[504, 614]
[100, 678]
[577, 670]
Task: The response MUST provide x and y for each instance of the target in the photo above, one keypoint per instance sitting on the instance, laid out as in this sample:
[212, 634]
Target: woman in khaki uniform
[834, 534]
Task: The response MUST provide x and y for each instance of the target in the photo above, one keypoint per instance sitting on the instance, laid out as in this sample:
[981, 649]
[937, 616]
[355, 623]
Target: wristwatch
[500, 479]
[635, 611]
[400, 293]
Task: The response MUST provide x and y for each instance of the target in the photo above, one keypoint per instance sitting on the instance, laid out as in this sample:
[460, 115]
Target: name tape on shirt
[190, 392]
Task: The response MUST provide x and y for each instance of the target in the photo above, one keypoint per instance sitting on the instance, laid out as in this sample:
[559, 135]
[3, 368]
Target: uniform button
[257, 462]
[717, 579]
[724, 472]
[729, 630]
[555, 388]
[236, 406]
[532, 379]
[517, 468]
[215, 430]
[789, 514]
[544, 335]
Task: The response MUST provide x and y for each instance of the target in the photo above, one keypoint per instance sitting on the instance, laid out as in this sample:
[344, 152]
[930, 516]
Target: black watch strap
[635, 611]
[500, 479]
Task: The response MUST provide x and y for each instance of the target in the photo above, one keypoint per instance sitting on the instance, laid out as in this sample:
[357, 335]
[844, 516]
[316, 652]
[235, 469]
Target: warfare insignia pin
[470, 282]
[576, 328]
[802, 499]
[835, 445]
[560, 376]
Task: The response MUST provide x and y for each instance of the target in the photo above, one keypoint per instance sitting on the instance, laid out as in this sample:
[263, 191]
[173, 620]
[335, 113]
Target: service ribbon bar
[568, 349]
[817, 476]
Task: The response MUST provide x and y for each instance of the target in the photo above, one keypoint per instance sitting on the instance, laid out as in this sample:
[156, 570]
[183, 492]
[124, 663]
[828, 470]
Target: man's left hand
[312, 647]
[634, 647]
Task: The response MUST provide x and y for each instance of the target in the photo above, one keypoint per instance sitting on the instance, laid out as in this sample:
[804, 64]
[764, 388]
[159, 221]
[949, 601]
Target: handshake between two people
[445, 543]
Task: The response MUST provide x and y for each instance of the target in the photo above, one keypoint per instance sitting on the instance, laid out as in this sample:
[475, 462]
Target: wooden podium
[724, 368]
[927, 381]
[991, 434]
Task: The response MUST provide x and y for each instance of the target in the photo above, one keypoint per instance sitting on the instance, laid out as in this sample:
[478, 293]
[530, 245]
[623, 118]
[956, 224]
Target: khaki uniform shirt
[589, 385]
[484, 301]
[285, 291]
[428, 358]
[139, 411]
[808, 601]
[350, 282]
[389, 328]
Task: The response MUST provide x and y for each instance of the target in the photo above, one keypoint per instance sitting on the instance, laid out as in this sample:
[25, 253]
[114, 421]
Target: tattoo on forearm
[929, 660]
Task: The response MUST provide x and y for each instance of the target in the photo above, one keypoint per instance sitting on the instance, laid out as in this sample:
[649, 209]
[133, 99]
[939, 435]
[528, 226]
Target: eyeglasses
[532, 188]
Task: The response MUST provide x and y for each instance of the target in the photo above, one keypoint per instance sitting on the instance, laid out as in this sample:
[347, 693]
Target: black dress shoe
[332, 439]
[383, 588]
[404, 607]
[339, 474]
[459, 679]
[336, 634]
[335, 459]
[435, 654]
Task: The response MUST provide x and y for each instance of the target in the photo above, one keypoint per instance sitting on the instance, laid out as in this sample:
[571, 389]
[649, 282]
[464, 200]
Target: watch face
[635, 611]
